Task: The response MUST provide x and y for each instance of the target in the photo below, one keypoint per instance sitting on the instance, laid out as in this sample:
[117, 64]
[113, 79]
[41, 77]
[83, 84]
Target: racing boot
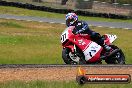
[107, 48]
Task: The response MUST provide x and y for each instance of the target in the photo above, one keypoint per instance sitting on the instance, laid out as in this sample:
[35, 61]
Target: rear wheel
[117, 58]
[70, 58]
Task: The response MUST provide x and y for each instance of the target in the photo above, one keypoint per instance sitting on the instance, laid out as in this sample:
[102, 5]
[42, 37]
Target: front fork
[75, 50]
[76, 54]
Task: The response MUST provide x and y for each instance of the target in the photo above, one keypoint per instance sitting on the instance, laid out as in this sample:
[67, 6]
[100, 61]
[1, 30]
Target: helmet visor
[70, 22]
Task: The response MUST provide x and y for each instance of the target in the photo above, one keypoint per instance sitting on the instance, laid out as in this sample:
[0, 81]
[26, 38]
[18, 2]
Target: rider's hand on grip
[74, 32]
[79, 32]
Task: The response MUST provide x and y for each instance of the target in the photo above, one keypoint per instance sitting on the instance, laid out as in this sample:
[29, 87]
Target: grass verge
[26, 12]
[58, 84]
[24, 42]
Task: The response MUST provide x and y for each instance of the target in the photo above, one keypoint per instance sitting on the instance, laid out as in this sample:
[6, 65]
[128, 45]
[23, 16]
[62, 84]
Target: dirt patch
[55, 73]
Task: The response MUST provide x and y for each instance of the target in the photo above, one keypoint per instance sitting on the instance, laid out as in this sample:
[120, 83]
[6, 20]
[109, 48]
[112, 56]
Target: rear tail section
[110, 38]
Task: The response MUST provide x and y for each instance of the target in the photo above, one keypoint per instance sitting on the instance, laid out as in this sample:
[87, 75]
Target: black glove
[78, 32]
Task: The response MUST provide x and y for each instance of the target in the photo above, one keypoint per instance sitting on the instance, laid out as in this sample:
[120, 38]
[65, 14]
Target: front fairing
[67, 35]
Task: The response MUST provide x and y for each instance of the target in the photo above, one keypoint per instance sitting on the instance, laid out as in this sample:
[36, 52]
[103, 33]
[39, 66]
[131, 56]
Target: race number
[91, 51]
[64, 36]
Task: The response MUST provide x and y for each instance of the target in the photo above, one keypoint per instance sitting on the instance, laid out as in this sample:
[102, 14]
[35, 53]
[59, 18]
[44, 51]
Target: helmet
[71, 19]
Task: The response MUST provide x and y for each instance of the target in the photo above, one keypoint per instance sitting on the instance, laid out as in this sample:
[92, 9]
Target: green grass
[11, 24]
[24, 42]
[26, 12]
[58, 84]
[30, 43]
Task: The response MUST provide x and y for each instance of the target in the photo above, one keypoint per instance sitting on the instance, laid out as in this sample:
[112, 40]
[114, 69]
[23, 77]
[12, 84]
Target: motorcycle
[80, 49]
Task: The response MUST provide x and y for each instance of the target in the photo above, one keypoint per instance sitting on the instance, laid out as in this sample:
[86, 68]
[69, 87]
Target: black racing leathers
[83, 28]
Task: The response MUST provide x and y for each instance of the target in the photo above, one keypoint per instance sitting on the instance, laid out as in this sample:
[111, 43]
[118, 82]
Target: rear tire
[67, 57]
[118, 58]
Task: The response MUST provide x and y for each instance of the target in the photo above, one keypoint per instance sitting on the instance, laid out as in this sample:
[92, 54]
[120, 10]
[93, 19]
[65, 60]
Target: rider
[82, 27]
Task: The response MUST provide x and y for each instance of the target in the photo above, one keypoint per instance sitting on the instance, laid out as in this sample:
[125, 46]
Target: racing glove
[80, 31]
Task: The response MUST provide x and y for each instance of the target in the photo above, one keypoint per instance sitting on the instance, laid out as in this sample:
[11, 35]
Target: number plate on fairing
[64, 35]
[91, 51]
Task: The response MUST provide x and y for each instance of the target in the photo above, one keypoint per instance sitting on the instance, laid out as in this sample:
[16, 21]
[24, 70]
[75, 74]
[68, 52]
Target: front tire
[70, 58]
[117, 58]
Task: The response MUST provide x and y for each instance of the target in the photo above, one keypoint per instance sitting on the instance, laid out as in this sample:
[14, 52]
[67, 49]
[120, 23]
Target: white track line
[28, 20]
[90, 25]
[99, 26]
[60, 23]
[63, 23]
[19, 19]
[127, 28]
[52, 22]
[40, 21]
[111, 27]
[8, 18]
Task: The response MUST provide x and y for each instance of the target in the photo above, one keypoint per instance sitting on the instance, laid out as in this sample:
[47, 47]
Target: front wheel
[117, 58]
[70, 58]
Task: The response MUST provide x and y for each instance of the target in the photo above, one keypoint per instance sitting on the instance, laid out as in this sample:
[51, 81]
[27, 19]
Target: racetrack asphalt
[62, 21]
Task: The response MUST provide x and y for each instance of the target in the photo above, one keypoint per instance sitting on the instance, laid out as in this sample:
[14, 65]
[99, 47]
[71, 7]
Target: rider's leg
[98, 39]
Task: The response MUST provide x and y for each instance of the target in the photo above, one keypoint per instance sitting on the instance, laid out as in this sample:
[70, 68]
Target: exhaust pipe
[113, 52]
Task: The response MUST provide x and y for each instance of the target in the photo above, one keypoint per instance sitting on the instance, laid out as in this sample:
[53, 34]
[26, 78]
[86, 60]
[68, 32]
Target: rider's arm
[85, 28]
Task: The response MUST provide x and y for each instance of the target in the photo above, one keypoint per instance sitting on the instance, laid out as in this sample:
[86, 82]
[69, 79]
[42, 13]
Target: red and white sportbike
[80, 49]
